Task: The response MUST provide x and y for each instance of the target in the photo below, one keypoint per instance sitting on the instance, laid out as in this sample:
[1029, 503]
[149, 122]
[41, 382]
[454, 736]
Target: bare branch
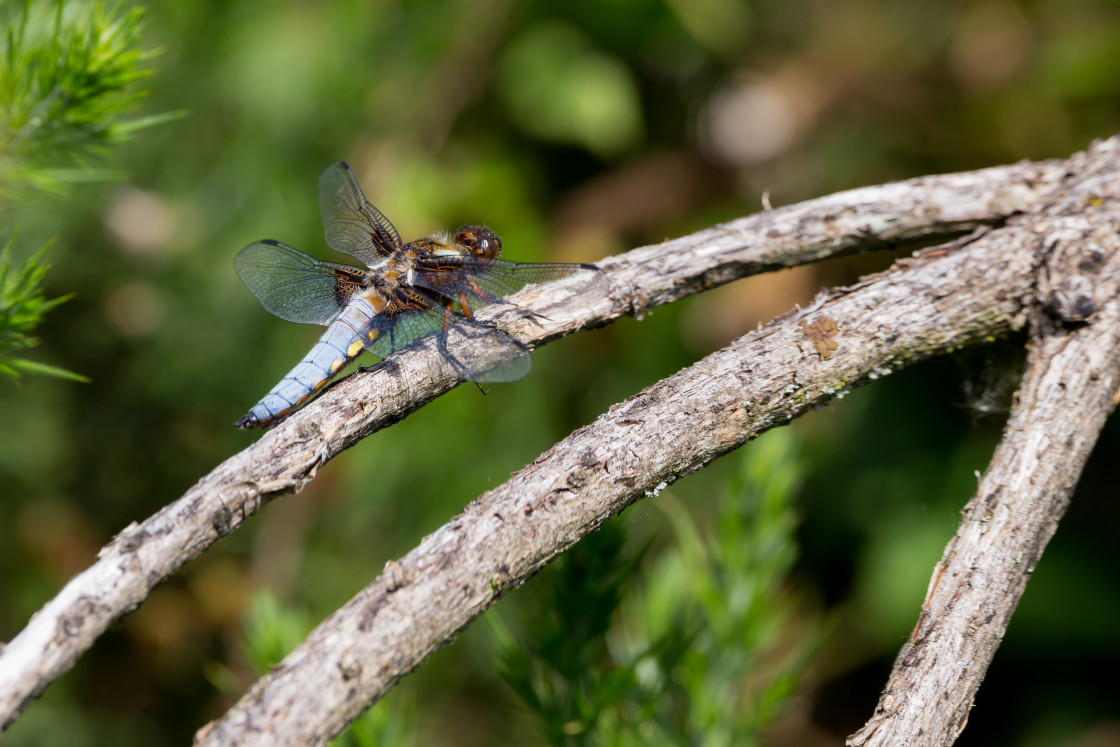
[880, 217]
[141, 556]
[1073, 371]
[950, 298]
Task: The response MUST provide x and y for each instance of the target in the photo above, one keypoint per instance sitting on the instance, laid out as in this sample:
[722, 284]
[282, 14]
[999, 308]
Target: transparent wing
[479, 353]
[351, 225]
[485, 355]
[295, 286]
[402, 324]
[485, 281]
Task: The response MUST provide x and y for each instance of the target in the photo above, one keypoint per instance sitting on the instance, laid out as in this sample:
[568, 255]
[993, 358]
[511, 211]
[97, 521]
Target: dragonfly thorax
[397, 269]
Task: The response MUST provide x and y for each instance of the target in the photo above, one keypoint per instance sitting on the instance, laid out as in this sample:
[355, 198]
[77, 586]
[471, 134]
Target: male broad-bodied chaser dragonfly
[405, 292]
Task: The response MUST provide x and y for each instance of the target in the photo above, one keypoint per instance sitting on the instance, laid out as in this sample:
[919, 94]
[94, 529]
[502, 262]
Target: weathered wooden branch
[671, 429]
[1073, 372]
[286, 458]
[947, 298]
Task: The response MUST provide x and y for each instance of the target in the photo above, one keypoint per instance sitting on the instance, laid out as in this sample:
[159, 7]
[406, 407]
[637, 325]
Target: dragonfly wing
[479, 353]
[295, 286]
[351, 225]
[485, 281]
[493, 358]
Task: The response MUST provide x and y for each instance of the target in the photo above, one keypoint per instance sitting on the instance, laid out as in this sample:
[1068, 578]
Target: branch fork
[1041, 250]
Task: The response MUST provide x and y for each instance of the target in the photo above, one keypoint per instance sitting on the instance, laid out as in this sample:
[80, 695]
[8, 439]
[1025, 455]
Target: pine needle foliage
[68, 71]
[694, 648]
[22, 307]
[67, 75]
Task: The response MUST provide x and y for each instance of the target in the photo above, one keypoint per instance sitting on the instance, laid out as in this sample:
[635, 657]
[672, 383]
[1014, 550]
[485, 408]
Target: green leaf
[22, 308]
[44, 369]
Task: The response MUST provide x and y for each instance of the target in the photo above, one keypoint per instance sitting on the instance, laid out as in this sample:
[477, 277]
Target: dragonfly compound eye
[489, 245]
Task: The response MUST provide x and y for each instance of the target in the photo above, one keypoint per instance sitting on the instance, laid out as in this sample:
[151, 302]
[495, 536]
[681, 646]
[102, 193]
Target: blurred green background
[576, 130]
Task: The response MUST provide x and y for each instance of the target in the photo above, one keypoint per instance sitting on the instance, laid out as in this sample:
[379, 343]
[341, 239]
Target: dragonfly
[402, 293]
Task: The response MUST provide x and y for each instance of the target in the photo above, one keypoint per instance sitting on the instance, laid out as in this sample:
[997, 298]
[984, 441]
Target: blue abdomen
[340, 344]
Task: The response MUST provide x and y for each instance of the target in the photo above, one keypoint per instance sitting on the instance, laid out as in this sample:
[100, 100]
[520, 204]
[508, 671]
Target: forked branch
[673, 428]
[286, 458]
[1073, 372]
[947, 298]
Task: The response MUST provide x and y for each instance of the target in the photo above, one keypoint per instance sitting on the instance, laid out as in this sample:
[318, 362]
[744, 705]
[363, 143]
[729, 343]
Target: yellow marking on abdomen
[337, 365]
[354, 349]
[373, 333]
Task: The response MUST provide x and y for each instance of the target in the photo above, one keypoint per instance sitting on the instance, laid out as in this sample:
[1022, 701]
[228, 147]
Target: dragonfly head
[479, 241]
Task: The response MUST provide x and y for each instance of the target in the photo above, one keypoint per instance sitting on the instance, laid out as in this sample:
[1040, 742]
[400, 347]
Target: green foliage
[270, 632]
[560, 670]
[22, 306]
[735, 578]
[677, 657]
[66, 75]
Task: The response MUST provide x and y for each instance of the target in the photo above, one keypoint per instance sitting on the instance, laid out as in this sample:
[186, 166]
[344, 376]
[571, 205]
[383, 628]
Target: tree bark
[951, 298]
[1073, 372]
[763, 380]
